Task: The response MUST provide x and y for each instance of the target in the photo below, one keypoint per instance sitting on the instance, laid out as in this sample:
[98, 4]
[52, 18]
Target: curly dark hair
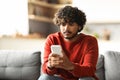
[70, 14]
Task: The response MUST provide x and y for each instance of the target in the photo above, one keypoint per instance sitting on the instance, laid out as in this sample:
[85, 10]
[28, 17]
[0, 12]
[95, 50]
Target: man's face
[69, 31]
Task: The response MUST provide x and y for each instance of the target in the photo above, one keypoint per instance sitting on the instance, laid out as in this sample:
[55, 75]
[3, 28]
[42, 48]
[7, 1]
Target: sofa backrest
[19, 65]
[108, 66]
[100, 72]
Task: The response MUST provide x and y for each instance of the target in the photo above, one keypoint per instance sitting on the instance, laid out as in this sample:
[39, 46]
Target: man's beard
[69, 38]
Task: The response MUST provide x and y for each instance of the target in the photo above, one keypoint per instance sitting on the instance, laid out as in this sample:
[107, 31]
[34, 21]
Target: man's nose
[66, 27]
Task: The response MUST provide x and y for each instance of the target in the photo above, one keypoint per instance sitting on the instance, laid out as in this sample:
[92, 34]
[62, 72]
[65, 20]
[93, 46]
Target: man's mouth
[67, 32]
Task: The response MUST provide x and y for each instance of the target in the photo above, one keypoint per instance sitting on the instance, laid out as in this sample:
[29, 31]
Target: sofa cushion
[112, 65]
[100, 68]
[19, 65]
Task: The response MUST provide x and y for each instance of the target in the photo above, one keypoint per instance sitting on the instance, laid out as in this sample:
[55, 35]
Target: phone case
[56, 49]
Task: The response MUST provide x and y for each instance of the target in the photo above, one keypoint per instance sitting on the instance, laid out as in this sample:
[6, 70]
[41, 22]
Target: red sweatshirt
[83, 53]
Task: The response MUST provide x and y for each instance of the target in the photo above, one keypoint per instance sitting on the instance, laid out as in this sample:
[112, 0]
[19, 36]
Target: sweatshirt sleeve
[47, 70]
[47, 51]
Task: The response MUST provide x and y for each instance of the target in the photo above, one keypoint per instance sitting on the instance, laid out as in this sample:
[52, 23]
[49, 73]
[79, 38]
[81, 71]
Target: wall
[13, 17]
[100, 10]
[101, 15]
[21, 44]
[99, 30]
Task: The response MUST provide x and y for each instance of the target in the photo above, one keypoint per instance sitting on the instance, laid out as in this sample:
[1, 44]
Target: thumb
[63, 53]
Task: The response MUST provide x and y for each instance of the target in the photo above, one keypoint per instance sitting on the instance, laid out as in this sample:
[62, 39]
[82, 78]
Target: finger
[55, 55]
[57, 63]
[55, 59]
[50, 54]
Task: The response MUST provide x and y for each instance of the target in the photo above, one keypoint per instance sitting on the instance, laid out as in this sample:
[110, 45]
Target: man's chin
[68, 37]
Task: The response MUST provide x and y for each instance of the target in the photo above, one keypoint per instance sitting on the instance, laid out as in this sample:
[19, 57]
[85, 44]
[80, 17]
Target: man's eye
[71, 24]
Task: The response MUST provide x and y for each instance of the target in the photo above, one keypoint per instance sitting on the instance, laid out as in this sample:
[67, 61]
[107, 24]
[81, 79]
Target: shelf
[43, 11]
[44, 4]
[40, 18]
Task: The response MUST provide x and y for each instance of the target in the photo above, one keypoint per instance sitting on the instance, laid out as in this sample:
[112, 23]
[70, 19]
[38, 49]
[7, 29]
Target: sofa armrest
[112, 65]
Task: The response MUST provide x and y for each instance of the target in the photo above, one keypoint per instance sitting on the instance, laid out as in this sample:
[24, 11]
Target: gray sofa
[25, 65]
[19, 65]
[108, 66]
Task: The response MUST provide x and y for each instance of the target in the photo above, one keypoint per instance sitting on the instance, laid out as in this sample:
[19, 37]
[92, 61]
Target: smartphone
[56, 49]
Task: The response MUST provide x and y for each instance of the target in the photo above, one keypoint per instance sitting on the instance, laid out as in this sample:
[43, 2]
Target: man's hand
[58, 61]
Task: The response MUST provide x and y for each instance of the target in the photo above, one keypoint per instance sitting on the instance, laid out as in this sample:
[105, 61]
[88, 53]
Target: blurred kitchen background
[25, 24]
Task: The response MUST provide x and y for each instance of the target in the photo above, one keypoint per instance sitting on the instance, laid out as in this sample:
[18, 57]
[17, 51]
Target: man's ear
[79, 28]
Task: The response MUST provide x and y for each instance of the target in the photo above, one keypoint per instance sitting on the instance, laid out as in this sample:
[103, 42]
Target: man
[79, 51]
